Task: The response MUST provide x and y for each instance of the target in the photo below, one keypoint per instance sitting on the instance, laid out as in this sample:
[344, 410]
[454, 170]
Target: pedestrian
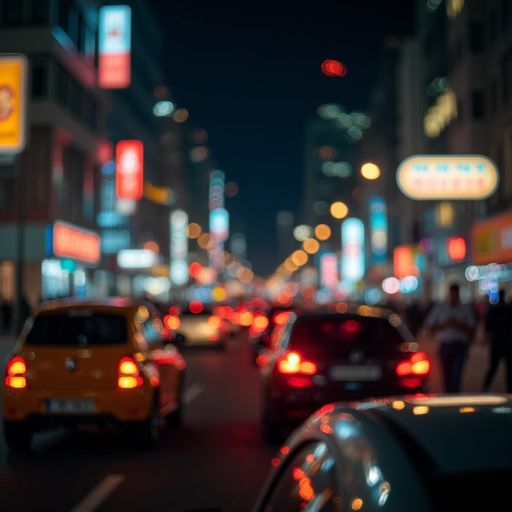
[498, 329]
[452, 324]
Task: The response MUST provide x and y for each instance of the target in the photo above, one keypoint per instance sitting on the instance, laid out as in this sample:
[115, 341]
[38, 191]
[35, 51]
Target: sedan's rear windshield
[78, 327]
[325, 332]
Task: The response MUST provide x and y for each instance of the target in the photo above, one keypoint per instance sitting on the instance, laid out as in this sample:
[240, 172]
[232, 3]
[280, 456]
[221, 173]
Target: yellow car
[106, 362]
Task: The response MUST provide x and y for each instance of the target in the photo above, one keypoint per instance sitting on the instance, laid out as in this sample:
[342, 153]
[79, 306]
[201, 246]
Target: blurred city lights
[163, 108]
[199, 154]
[322, 232]
[152, 246]
[200, 136]
[302, 232]
[337, 169]
[439, 115]
[333, 68]
[231, 189]
[180, 115]
[327, 152]
[321, 207]
[391, 285]
[194, 230]
[299, 258]
[204, 240]
[311, 246]
[370, 171]
[219, 294]
[339, 210]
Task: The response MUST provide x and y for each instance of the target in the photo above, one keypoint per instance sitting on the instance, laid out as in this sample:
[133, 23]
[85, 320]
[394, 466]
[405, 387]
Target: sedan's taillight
[129, 376]
[417, 365]
[16, 373]
[293, 363]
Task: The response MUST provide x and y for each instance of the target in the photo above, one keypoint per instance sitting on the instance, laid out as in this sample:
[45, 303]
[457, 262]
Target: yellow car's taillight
[129, 376]
[16, 373]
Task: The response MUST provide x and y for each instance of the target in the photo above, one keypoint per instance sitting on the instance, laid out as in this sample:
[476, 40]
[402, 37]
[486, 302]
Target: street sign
[13, 103]
[438, 177]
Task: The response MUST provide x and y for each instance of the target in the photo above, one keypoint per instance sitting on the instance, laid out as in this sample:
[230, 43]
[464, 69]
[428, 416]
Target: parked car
[105, 362]
[327, 356]
[430, 453]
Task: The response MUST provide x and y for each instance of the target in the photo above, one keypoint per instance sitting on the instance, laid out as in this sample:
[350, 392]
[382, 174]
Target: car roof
[106, 302]
[454, 433]
[336, 310]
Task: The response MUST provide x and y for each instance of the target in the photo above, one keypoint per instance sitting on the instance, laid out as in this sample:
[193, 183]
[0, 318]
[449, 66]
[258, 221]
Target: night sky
[249, 73]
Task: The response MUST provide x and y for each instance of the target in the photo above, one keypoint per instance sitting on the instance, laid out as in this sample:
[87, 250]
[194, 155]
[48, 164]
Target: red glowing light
[418, 364]
[332, 67]
[456, 247]
[129, 169]
[194, 269]
[196, 307]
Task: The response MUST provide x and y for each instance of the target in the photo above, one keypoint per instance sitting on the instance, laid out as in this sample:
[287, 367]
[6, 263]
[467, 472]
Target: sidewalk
[474, 370]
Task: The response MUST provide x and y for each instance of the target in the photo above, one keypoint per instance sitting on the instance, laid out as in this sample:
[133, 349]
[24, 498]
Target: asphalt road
[216, 460]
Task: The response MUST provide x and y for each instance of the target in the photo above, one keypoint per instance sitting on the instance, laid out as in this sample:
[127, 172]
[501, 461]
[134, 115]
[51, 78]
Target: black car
[441, 453]
[324, 356]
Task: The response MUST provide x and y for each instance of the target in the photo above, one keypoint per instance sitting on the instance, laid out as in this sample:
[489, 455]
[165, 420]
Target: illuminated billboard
[407, 261]
[329, 277]
[426, 177]
[136, 258]
[353, 257]
[69, 241]
[378, 229]
[178, 224]
[219, 224]
[129, 169]
[492, 240]
[13, 99]
[114, 67]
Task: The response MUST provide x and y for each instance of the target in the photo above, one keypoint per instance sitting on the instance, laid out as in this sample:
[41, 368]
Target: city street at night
[255, 257]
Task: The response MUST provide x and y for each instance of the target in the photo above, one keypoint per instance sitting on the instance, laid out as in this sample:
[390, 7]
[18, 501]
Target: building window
[12, 13]
[38, 12]
[478, 104]
[39, 75]
[505, 16]
[476, 37]
[494, 96]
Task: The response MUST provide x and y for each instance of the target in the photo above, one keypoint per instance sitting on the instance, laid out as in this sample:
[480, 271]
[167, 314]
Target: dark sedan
[322, 357]
[440, 453]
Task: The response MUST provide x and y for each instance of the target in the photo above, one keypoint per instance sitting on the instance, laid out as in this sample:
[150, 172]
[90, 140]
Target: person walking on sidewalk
[498, 327]
[453, 325]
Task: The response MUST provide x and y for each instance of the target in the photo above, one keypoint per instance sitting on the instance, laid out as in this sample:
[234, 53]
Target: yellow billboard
[447, 177]
[13, 103]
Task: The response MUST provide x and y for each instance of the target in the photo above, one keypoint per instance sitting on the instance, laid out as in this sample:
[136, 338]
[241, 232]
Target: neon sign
[352, 239]
[114, 67]
[129, 169]
[425, 177]
[69, 241]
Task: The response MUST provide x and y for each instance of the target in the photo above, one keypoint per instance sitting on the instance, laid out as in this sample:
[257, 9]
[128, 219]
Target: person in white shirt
[453, 325]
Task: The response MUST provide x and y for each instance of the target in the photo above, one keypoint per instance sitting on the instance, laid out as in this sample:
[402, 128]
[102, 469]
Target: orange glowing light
[245, 319]
[76, 243]
[194, 230]
[311, 246]
[306, 491]
[280, 318]
[260, 322]
[456, 247]
[323, 232]
[172, 322]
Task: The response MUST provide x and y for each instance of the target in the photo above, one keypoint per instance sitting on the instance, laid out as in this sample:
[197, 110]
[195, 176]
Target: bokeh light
[194, 230]
[204, 240]
[231, 189]
[370, 171]
[339, 210]
[311, 246]
[333, 68]
[323, 232]
[180, 115]
[299, 258]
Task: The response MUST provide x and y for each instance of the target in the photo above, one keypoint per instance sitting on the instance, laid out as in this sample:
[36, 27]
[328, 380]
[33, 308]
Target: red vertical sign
[129, 169]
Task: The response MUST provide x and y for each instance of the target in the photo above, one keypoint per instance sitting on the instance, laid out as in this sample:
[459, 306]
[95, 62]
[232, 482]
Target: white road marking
[99, 494]
[192, 393]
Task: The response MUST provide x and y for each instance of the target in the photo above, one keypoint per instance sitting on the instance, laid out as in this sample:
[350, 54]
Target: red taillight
[129, 376]
[16, 373]
[417, 364]
[292, 363]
